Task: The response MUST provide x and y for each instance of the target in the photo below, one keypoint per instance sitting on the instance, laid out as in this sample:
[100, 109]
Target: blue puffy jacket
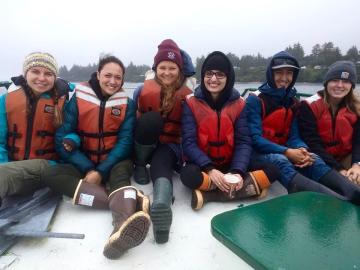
[242, 152]
[280, 97]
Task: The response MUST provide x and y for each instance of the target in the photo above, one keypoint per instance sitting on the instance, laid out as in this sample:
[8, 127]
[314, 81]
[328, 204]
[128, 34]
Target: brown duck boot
[143, 202]
[91, 195]
[255, 183]
[130, 226]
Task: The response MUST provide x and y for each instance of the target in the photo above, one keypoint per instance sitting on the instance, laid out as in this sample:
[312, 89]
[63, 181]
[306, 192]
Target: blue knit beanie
[341, 70]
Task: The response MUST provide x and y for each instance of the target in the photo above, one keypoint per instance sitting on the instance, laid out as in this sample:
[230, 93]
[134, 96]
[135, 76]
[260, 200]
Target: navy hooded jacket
[279, 97]
[193, 153]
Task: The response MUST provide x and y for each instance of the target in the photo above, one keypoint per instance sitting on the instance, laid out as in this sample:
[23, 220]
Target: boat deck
[191, 245]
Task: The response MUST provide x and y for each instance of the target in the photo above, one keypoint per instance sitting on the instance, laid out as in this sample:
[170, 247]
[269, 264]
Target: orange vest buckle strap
[276, 125]
[99, 121]
[31, 136]
[215, 130]
[149, 100]
[336, 134]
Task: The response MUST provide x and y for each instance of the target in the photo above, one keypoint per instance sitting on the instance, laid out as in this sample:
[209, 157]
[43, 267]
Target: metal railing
[247, 91]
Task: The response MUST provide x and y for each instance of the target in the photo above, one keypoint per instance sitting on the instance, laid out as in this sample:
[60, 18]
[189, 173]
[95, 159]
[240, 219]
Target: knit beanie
[344, 70]
[168, 50]
[217, 62]
[40, 59]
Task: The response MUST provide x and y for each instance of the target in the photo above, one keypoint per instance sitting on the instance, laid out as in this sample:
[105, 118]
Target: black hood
[95, 85]
[269, 71]
[230, 73]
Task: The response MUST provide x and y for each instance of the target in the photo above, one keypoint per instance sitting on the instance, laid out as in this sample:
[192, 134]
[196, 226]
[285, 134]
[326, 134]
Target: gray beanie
[344, 70]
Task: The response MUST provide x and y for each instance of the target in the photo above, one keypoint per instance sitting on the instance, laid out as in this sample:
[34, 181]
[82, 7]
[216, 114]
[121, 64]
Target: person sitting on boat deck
[329, 124]
[102, 115]
[274, 130]
[30, 112]
[216, 141]
[157, 133]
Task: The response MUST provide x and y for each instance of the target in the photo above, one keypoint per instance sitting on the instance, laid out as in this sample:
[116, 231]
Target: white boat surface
[191, 245]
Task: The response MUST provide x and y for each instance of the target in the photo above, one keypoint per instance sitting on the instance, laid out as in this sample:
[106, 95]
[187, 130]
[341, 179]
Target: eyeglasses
[218, 74]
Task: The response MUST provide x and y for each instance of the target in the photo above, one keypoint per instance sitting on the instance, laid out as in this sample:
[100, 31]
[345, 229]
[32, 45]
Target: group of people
[224, 147]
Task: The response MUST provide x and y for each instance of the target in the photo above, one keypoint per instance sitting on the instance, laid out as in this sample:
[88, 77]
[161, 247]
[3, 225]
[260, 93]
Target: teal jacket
[63, 89]
[121, 151]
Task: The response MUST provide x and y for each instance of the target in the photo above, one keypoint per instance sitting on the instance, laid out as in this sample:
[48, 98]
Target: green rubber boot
[160, 210]
[142, 155]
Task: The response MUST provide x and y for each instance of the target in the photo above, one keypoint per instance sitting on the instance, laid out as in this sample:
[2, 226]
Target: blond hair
[351, 100]
[167, 94]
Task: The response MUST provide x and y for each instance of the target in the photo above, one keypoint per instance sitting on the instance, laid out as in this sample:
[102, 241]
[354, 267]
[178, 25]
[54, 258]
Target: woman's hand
[299, 157]
[343, 172]
[93, 177]
[354, 173]
[67, 147]
[217, 178]
[240, 184]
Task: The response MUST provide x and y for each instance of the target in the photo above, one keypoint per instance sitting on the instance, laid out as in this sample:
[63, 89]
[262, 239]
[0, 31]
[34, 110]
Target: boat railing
[247, 91]
[5, 84]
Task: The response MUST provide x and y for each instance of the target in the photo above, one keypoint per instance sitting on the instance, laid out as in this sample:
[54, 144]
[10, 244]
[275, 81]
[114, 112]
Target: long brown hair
[167, 95]
[351, 101]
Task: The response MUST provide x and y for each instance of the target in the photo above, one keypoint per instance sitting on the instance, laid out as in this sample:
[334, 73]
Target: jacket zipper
[101, 128]
[29, 130]
[218, 132]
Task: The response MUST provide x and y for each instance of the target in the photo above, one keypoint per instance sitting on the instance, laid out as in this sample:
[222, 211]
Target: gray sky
[77, 31]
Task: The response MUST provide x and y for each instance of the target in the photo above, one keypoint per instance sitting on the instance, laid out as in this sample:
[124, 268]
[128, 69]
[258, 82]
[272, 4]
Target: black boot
[160, 210]
[302, 183]
[342, 185]
[142, 156]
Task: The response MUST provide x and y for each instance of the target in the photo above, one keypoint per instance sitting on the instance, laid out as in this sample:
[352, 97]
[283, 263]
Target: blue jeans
[288, 170]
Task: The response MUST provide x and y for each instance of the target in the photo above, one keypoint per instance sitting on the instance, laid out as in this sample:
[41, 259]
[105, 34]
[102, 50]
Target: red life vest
[31, 137]
[99, 121]
[149, 100]
[336, 134]
[276, 125]
[215, 130]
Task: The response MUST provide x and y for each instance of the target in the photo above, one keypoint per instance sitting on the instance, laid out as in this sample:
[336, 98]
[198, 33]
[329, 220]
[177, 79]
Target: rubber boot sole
[161, 217]
[197, 200]
[141, 175]
[131, 234]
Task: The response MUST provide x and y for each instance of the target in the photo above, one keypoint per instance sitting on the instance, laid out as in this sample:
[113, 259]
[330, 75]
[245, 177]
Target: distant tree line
[248, 68]
[78, 73]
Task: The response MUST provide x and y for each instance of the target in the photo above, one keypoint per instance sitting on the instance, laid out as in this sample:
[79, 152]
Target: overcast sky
[77, 31]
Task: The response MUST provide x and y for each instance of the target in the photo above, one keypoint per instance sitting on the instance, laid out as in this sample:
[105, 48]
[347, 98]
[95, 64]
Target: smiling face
[215, 81]
[110, 78]
[283, 77]
[338, 89]
[40, 80]
[167, 72]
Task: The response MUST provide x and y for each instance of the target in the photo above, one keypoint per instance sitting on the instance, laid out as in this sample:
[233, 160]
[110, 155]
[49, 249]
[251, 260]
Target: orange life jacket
[99, 121]
[149, 100]
[215, 130]
[277, 124]
[31, 136]
[336, 134]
